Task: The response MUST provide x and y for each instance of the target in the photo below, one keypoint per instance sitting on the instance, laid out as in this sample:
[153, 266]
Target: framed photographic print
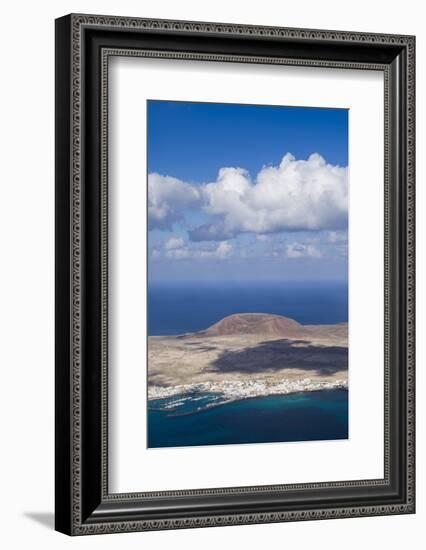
[234, 274]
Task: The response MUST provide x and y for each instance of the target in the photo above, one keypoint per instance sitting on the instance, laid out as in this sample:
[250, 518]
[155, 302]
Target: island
[244, 356]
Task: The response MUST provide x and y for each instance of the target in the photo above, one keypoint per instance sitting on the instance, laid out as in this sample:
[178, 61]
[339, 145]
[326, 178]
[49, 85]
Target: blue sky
[246, 192]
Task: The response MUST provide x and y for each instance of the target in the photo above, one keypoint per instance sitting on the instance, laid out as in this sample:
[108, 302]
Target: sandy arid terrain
[249, 354]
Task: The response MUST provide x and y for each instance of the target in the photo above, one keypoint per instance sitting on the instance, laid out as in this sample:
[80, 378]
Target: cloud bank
[177, 249]
[296, 195]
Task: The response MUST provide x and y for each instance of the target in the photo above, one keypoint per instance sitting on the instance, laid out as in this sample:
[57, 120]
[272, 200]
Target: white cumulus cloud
[297, 250]
[337, 237]
[262, 238]
[174, 243]
[167, 197]
[223, 250]
[179, 250]
[295, 195]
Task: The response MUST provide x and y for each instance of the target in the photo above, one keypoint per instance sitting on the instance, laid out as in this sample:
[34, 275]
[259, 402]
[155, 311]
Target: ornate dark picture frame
[84, 44]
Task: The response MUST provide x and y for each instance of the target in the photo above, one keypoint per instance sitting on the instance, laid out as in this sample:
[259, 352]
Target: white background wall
[27, 261]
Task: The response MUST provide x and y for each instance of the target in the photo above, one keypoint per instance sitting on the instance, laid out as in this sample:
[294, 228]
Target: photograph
[247, 273]
[234, 273]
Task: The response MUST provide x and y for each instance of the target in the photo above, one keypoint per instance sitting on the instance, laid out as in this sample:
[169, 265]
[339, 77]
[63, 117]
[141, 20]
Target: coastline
[210, 406]
[228, 392]
[242, 357]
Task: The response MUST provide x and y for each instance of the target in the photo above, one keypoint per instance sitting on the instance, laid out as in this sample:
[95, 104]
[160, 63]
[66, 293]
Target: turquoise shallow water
[304, 416]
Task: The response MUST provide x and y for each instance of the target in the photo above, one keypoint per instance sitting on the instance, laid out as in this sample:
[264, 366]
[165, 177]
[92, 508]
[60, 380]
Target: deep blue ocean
[189, 307]
[308, 416]
[180, 308]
